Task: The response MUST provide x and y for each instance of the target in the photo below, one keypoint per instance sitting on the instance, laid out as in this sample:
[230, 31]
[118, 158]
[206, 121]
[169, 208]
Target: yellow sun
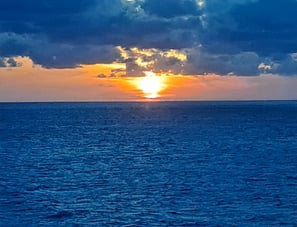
[151, 85]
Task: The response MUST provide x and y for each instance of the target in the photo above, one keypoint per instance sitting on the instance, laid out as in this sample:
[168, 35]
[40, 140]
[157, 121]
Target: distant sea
[148, 164]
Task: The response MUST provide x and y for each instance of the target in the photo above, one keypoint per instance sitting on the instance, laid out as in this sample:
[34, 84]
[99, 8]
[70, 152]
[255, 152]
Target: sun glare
[151, 85]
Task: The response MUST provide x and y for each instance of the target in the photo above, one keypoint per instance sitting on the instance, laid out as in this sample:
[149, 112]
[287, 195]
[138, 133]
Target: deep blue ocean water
[148, 164]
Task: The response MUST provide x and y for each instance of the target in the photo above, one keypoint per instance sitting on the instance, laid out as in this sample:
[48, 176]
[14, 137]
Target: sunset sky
[133, 50]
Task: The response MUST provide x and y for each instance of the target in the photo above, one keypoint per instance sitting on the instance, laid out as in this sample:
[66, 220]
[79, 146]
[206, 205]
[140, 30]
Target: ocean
[148, 164]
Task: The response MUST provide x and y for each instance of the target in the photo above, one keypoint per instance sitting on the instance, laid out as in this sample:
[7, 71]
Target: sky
[101, 50]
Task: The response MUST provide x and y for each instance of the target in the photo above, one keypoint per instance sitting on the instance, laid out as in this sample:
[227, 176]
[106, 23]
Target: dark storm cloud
[242, 37]
[264, 26]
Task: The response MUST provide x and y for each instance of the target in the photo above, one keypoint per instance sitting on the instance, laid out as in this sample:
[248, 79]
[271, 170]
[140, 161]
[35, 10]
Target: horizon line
[146, 101]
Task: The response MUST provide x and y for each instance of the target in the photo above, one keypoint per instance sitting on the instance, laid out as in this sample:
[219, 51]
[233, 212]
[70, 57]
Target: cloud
[171, 8]
[140, 60]
[52, 54]
[9, 62]
[102, 75]
[242, 64]
[223, 37]
[288, 66]
[262, 26]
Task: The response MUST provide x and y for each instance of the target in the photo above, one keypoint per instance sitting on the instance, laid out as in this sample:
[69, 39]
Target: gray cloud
[243, 64]
[9, 62]
[223, 37]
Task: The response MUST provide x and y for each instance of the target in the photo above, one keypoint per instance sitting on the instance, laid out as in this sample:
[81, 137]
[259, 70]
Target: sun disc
[151, 85]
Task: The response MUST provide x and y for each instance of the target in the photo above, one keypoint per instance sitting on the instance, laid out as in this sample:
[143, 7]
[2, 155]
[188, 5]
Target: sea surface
[148, 164]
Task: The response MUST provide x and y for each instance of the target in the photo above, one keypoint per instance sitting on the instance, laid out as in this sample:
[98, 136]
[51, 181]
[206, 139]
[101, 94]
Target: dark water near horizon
[148, 164]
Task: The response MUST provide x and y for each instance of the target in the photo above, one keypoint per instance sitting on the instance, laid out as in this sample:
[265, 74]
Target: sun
[151, 85]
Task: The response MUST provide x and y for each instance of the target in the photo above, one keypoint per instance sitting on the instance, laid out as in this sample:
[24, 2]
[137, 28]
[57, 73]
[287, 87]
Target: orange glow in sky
[31, 82]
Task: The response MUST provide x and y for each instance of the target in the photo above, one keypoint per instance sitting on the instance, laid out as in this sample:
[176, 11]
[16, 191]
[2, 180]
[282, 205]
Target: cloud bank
[238, 37]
